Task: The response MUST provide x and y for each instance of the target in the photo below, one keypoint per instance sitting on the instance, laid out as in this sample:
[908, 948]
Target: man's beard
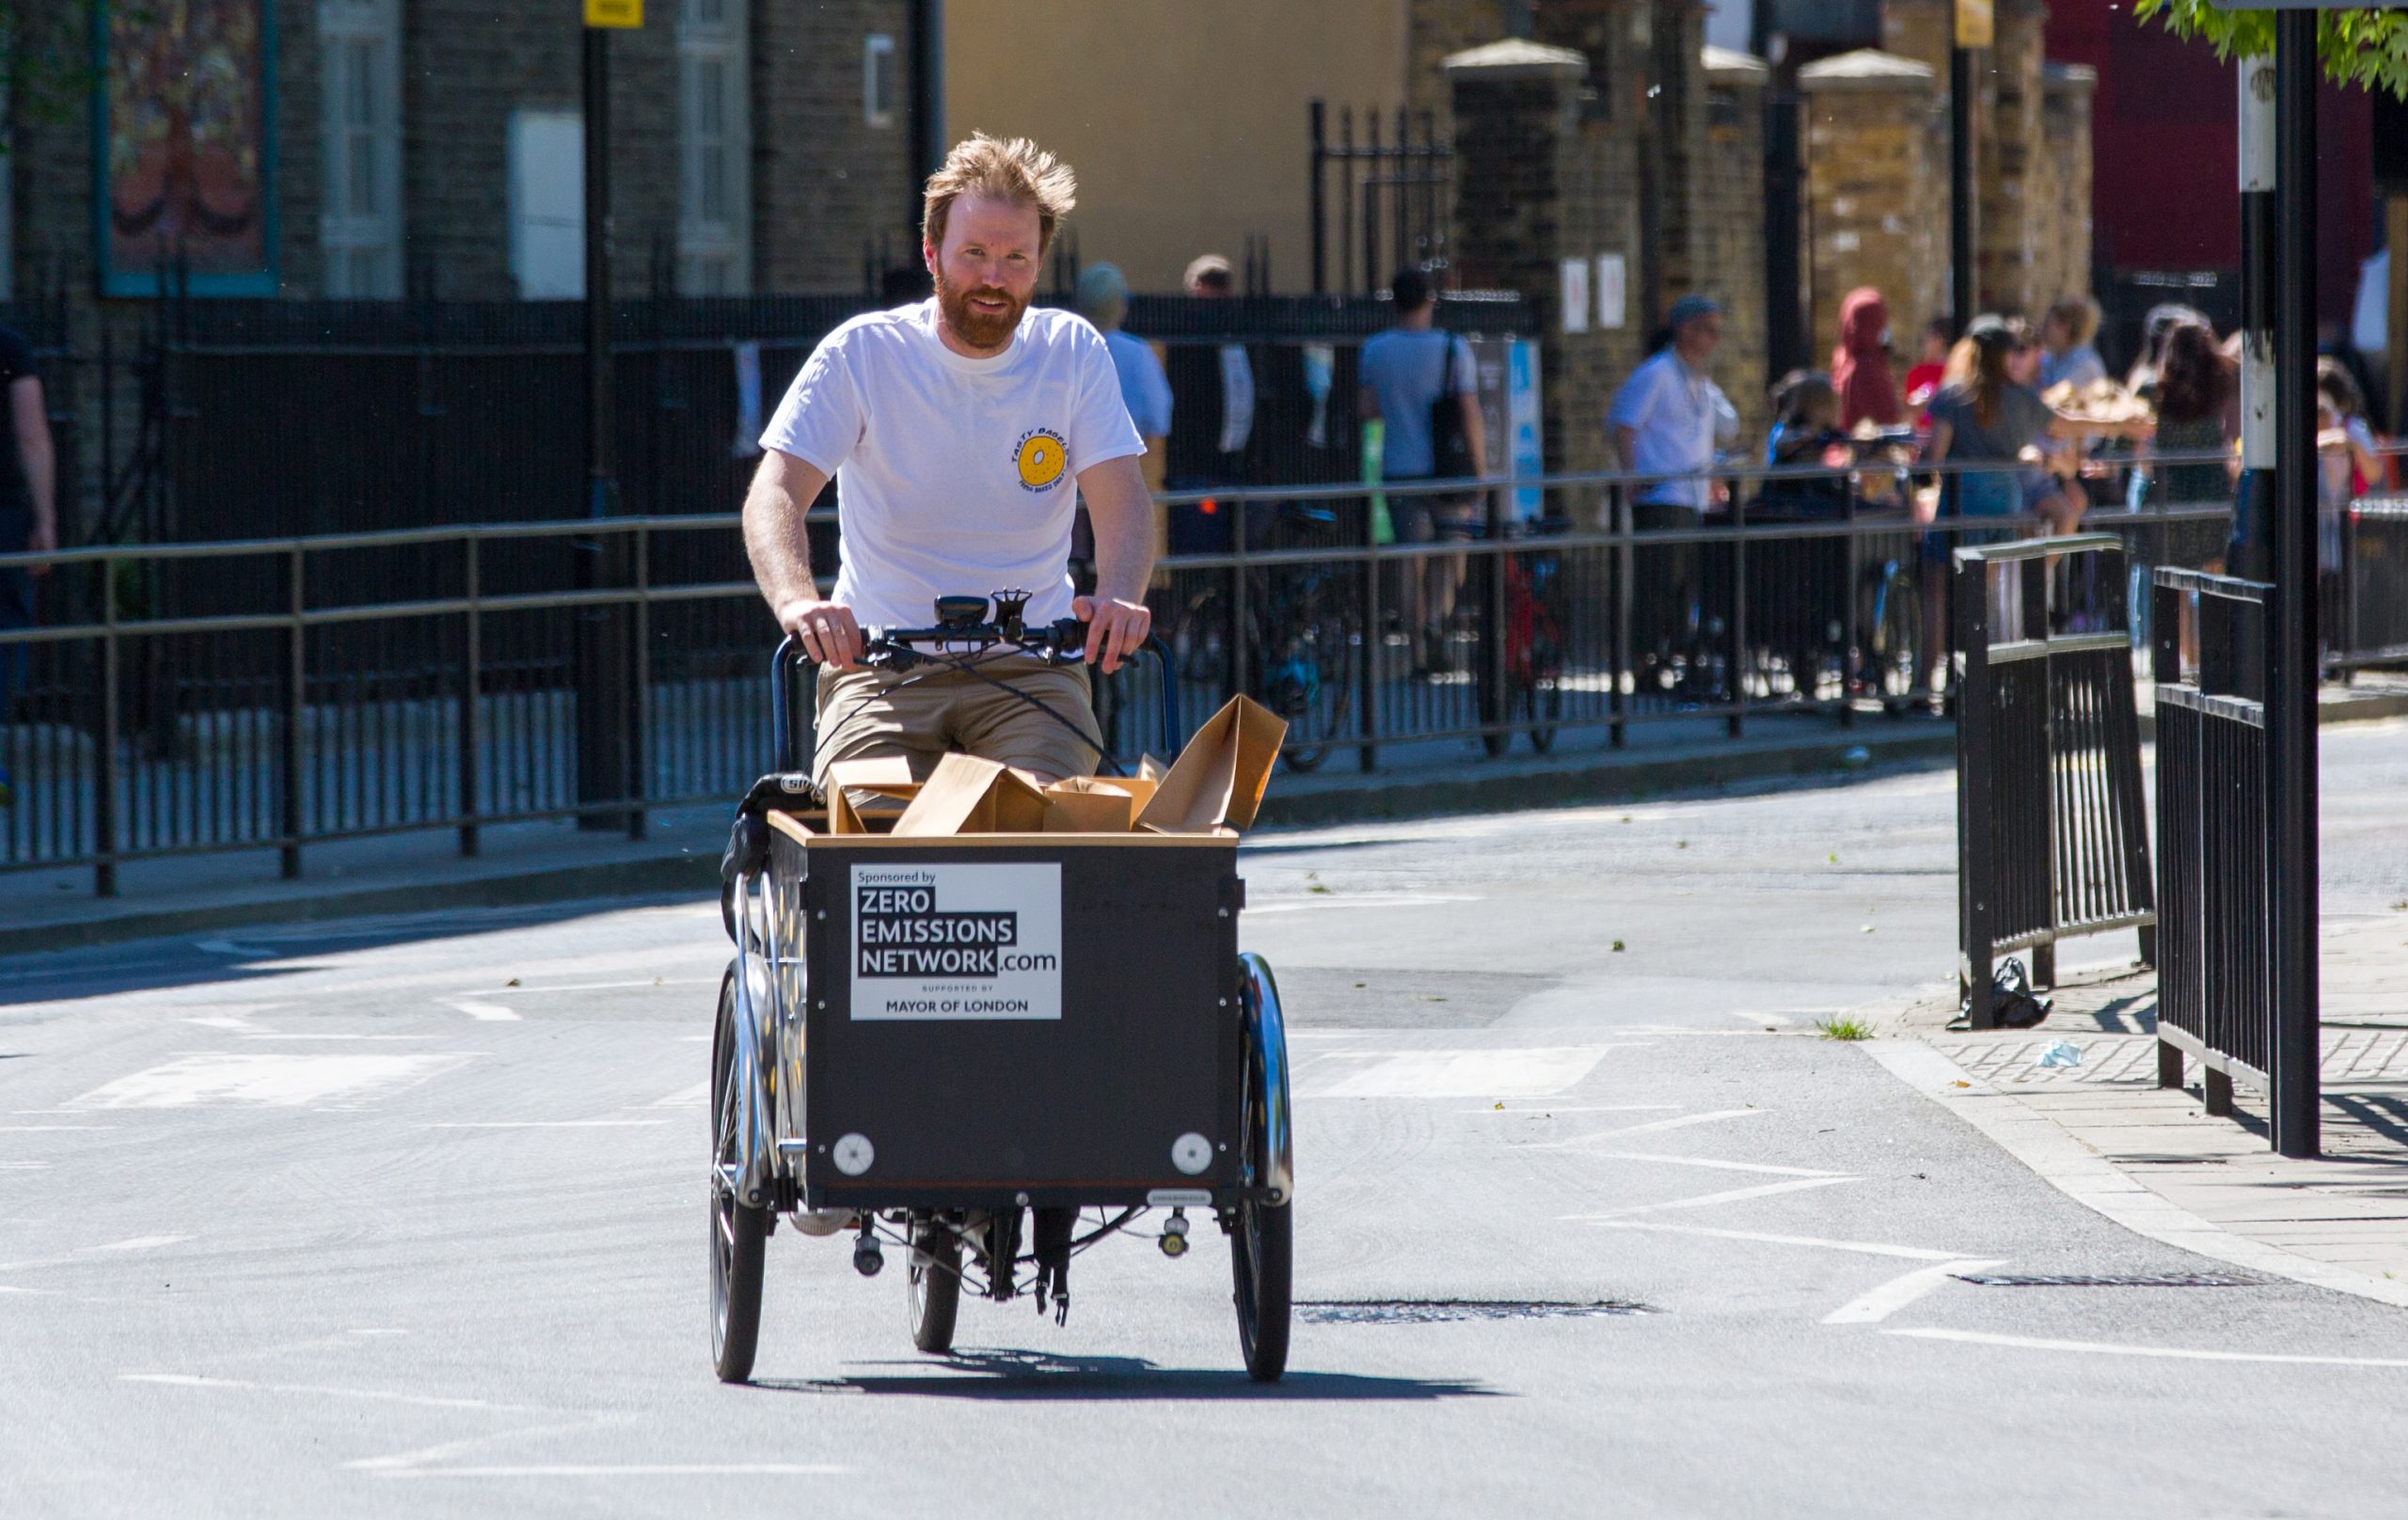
[976, 328]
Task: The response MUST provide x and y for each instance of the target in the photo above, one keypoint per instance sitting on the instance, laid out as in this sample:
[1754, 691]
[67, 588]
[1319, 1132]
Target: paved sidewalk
[2152, 1158]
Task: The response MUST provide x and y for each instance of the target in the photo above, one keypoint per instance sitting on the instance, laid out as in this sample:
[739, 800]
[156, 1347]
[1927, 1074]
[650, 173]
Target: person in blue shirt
[1407, 373]
[1103, 299]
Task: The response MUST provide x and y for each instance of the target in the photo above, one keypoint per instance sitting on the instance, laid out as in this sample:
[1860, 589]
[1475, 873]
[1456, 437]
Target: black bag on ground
[2012, 998]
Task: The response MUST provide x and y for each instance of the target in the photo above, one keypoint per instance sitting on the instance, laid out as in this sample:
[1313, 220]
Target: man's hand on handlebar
[1115, 628]
[826, 631]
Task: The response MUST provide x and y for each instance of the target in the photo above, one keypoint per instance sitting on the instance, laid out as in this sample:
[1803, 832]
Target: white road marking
[545, 1124]
[1899, 1291]
[228, 947]
[190, 1380]
[490, 1012]
[1536, 1072]
[228, 1021]
[2185, 1354]
[275, 1081]
[1551, 1110]
[1909, 1253]
[698, 1094]
[1367, 899]
[141, 1243]
[1656, 1126]
[1670, 1160]
[601, 986]
[453, 1449]
[1706, 1200]
[632, 1470]
[26, 1165]
[49, 1129]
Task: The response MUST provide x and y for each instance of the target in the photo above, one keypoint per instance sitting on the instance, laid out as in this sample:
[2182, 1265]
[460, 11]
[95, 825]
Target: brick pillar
[1534, 188]
[2014, 229]
[1877, 190]
[1729, 242]
[2066, 90]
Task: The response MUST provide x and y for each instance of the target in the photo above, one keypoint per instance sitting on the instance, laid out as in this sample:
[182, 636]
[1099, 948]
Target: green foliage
[2365, 48]
[45, 57]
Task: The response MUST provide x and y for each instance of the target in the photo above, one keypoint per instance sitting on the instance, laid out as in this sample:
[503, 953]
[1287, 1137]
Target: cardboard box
[1220, 777]
[860, 791]
[966, 795]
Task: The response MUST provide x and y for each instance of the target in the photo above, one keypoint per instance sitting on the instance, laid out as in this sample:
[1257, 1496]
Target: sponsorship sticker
[956, 941]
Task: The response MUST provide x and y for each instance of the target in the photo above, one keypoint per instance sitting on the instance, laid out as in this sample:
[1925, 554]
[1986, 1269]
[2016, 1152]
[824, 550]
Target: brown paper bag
[1221, 775]
[966, 795]
[1095, 804]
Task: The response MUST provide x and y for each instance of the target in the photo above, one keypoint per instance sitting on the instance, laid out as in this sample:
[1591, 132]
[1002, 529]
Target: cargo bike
[988, 1051]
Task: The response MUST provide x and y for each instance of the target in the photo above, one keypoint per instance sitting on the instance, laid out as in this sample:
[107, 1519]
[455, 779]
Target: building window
[361, 76]
[714, 150]
[547, 204]
[877, 80]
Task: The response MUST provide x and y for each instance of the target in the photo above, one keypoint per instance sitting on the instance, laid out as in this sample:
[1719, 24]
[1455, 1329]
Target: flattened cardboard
[966, 795]
[1221, 775]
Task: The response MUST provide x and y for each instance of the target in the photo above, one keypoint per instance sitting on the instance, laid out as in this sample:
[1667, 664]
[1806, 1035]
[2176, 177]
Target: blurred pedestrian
[1103, 299]
[2369, 468]
[1930, 367]
[2049, 470]
[29, 515]
[2155, 327]
[1420, 384]
[1860, 364]
[2066, 333]
[1665, 424]
[1806, 434]
[1214, 390]
[1987, 421]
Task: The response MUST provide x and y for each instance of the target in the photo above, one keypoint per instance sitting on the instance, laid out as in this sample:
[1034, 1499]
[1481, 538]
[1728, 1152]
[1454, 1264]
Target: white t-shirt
[954, 476]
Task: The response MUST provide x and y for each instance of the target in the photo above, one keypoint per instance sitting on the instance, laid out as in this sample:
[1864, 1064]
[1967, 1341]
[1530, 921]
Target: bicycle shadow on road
[1037, 1377]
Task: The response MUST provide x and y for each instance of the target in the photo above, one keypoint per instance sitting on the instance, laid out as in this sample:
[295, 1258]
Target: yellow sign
[1973, 29]
[630, 12]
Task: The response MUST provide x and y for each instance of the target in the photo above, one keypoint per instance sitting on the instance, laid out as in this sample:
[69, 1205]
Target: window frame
[722, 243]
[350, 242]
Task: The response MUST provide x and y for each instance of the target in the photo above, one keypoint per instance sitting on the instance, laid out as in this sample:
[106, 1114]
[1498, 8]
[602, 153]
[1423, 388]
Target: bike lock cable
[968, 666]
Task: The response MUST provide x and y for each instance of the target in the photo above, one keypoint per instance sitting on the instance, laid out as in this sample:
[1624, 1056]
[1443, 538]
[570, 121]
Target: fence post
[295, 698]
[1737, 724]
[104, 834]
[2032, 577]
[641, 694]
[1854, 639]
[1240, 623]
[471, 726]
[1317, 115]
[1618, 658]
[1367, 673]
[2165, 670]
[1976, 791]
[1498, 708]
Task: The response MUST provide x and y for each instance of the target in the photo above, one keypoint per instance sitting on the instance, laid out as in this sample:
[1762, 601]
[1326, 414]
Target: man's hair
[1209, 269]
[1409, 290]
[1016, 171]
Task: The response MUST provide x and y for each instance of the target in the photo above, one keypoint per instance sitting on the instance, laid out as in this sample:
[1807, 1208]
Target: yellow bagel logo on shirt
[1040, 457]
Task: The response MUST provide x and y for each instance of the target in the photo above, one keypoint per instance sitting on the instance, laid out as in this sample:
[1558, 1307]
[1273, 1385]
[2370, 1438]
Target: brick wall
[823, 180]
[2063, 161]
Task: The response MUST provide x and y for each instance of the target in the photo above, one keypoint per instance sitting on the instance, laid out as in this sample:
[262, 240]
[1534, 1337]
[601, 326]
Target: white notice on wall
[956, 941]
[1612, 285]
[1574, 295]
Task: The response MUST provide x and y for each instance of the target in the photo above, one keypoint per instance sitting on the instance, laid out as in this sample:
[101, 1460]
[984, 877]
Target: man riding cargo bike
[1001, 1018]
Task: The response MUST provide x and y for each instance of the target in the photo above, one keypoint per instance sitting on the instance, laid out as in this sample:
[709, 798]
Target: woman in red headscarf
[1860, 364]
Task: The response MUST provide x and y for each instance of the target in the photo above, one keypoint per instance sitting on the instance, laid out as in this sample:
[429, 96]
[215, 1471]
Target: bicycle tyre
[738, 1235]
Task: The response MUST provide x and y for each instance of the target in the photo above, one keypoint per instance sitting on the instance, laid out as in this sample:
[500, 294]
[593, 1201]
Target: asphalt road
[406, 1217]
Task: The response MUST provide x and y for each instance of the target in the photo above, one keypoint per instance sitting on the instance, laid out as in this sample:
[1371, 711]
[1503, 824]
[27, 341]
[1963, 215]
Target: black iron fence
[2215, 999]
[2052, 837]
[458, 678]
[1393, 198]
[2366, 613]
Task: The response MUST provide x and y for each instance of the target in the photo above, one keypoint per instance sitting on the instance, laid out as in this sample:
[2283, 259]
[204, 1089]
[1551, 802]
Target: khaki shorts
[869, 715]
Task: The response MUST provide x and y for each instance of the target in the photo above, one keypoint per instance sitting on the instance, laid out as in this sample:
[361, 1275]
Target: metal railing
[459, 677]
[2215, 978]
[2051, 834]
[2367, 622]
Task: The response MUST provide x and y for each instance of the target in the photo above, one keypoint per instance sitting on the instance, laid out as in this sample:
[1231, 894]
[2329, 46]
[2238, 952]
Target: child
[1806, 432]
[1927, 375]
